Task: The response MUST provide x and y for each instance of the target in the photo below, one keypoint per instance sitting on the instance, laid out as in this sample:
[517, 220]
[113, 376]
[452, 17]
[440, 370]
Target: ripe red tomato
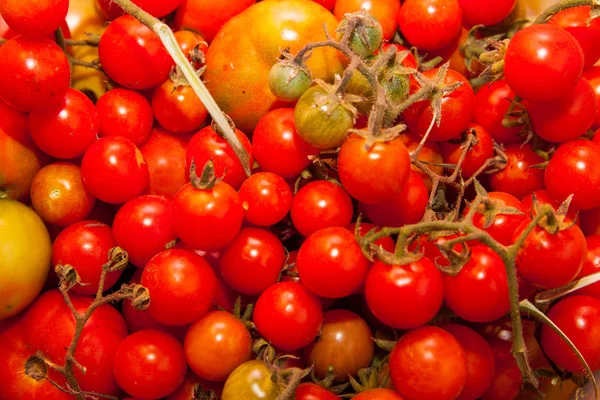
[419, 282]
[430, 24]
[503, 225]
[188, 388]
[491, 104]
[178, 108]
[312, 391]
[409, 62]
[487, 296]
[217, 344]
[542, 198]
[125, 113]
[67, 131]
[266, 198]
[593, 76]
[288, 315]
[518, 178]
[430, 355]
[378, 394]
[132, 55]
[591, 265]
[37, 19]
[192, 44]
[578, 317]
[328, 4]
[457, 109]
[142, 227]
[182, 286]
[478, 154]
[252, 261]
[572, 168]
[376, 174]
[149, 364]
[157, 8]
[486, 12]
[430, 249]
[430, 153]
[85, 246]
[507, 380]
[114, 170]
[527, 68]
[386, 12]
[36, 73]
[575, 20]
[331, 264]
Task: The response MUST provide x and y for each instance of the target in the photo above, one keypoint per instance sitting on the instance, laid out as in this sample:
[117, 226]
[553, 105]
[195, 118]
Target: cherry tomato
[486, 12]
[518, 178]
[507, 381]
[593, 77]
[312, 391]
[266, 198]
[157, 8]
[492, 102]
[409, 62]
[378, 394]
[188, 388]
[430, 24]
[386, 12]
[486, 298]
[328, 4]
[287, 315]
[430, 153]
[149, 364]
[37, 19]
[252, 381]
[542, 197]
[591, 265]
[527, 68]
[477, 155]
[575, 21]
[142, 227]
[431, 250]
[125, 113]
[503, 225]
[178, 108]
[430, 355]
[193, 46]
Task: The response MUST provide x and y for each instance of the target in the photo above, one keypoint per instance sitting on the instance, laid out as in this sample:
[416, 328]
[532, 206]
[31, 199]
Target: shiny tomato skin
[518, 178]
[419, 282]
[312, 391]
[207, 219]
[36, 73]
[578, 317]
[126, 113]
[430, 24]
[571, 169]
[378, 394]
[503, 225]
[38, 19]
[132, 55]
[590, 266]
[58, 194]
[178, 108]
[142, 227]
[486, 298]
[385, 11]
[428, 363]
[486, 12]
[477, 155]
[526, 66]
[216, 344]
[492, 101]
[182, 286]
[593, 76]
[507, 381]
[288, 315]
[149, 364]
[575, 21]
[376, 174]
[251, 381]
[266, 198]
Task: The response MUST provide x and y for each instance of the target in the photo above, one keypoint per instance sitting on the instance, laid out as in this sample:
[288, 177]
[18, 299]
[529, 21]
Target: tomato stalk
[561, 6]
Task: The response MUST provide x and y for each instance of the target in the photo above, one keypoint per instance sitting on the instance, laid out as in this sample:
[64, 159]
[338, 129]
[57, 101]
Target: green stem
[563, 5]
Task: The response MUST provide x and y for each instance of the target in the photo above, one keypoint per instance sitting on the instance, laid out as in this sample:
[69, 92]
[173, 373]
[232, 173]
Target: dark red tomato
[507, 381]
[266, 198]
[38, 19]
[50, 326]
[192, 44]
[85, 246]
[480, 360]
[36, 73]
[277, 146]
[428, 363]
[477, 155]
[165, 154]
[419, 282]
[479, 293]
[590, 222]
[207, 219]
[58, 194]
[591, 266]
[142, 227]
[430, 24]
[252, 261]
[182, 286]
[518, 178]
[385, 11]
[457, 108]
[149, 364]
[209, 145]
[312, 391]
[572, 169]
[566, 118]
[593, 76]
[125, 113]
[503, 225]
[331, 264]
[575, 20]
[579, 319]
[407, 207]
[528, 69]
[378, 394]
[132, 55]
[542, 198]
[191, 14]
[66, 131]
[288, 315]
[486, 12]
[409, 62]
[430, 153]
[328, 4]
[491, 104]
[344, 343]
[178, 108]
[187, 389]
[319, 205]
[376, 174]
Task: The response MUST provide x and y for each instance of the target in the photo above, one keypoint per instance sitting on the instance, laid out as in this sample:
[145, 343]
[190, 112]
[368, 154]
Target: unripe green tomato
[362, 45]
[396, 86]
[288, 82]
[251, 381]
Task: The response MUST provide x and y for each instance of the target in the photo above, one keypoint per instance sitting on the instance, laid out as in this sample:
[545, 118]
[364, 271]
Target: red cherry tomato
[386, 12]
[312, 391]
[575, 21]
[37, 19]
[178, 108]
[590, 266]
[492, 102]
[378, 394]
[266, 198]
[507, 381]
[430, 153]
[486, 12]
[476, 156]
[430, 24]
[157, 8]
[409, 62]
[192, 44]
[593, 76]
[503, 225]
[542, 197]
[518, 178]
[125, 113]
[188, 388]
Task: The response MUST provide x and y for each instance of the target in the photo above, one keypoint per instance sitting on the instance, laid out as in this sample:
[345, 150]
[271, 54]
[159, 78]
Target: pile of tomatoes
[259, 287]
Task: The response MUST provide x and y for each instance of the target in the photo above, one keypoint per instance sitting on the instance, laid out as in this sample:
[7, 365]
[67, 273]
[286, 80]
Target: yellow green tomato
[252, 380]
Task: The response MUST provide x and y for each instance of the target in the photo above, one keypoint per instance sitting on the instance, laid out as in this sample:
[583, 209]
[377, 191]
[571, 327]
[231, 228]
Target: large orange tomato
[241, 55]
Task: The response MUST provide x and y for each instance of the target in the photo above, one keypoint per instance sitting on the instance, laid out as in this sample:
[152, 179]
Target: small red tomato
[331, 264]
[578, 317]
[142, 227]
[266, 198]
[590, 266]
[503, 225]
[576, 21]
[542, 197]
[114, 170]
[149, 364]
[507, 381]
[477, 155]
[182, 286]
[386, 12]
[492, 102]
[430, 153]
[431, 250]
[125, 113]
[252, 261]
[288, 315]
[430, 355]
[85, 246]
[157, 8]
[593, 76]
[188, 388]
[518, 178]
[193, 46]
[178, 108]
[485, 12]
[377, 394]
[38, 19]
[487, 296]
[430, 24]
[312, 391]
